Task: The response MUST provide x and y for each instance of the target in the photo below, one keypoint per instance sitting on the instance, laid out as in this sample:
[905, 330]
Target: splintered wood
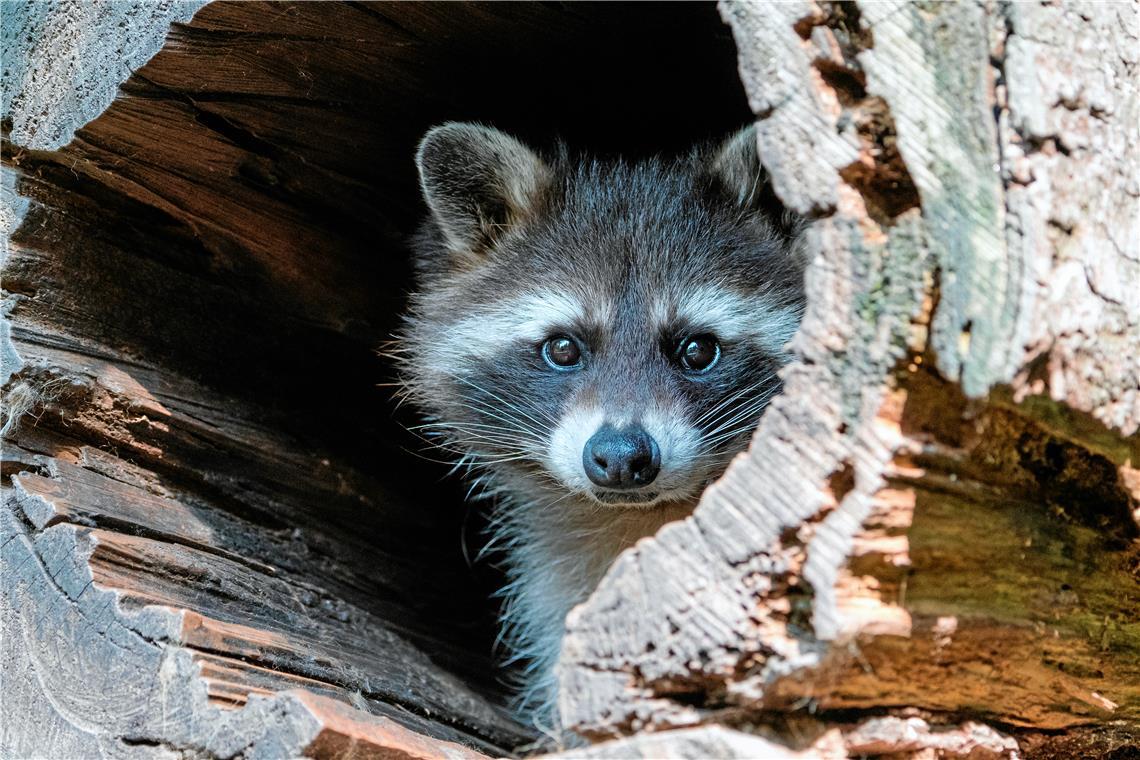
[939, 512]
[138, 613]
[929, 550]
[208, 502]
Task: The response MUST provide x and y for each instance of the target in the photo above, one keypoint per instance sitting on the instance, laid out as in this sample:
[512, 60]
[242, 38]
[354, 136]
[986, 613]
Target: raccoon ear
[735, 165]
[738, 175]
[477, 181]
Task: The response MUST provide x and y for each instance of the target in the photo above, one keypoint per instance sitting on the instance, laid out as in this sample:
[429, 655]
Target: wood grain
[937, 514]
[214, 543]
[209, 500]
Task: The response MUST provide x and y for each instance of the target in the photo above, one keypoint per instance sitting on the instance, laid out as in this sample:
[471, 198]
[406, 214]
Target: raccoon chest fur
[560, 554]
[593, 342]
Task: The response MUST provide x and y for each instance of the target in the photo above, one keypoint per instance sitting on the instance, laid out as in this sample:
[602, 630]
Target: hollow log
[217, 540]
[216, 545]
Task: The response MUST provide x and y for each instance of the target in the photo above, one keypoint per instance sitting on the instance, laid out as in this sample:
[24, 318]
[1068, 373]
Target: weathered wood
[63, 62]
[213, 545]
[891, 736]
[208, 505]
[706, 742]
[965, 546]
[345, 732]
[246, 607]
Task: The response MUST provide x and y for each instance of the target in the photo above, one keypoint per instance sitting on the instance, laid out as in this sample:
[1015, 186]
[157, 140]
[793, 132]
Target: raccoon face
[600, 330]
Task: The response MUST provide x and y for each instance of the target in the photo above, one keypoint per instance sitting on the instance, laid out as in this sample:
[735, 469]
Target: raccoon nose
[621, 459]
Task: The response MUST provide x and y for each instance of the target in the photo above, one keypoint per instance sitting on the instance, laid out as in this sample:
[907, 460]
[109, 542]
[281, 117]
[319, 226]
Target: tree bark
[937, 520]
[210, 543]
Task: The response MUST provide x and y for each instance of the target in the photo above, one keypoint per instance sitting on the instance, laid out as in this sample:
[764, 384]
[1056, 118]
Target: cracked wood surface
[891, 736]
[179, 559]
[941, 510]
[50, 90]
[180, 577]
[208, 502]
[146, 607]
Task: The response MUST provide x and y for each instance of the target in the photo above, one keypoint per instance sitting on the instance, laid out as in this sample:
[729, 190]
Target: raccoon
[594, 340]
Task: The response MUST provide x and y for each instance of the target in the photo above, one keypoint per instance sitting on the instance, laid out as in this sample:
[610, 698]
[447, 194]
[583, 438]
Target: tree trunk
[214, 545]
[937, 521]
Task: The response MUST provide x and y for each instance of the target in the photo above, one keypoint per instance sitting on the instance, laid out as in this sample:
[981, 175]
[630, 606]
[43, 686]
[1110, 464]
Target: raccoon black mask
[594, 341]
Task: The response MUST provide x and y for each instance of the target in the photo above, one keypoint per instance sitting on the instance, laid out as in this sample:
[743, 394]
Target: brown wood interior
[203, 279]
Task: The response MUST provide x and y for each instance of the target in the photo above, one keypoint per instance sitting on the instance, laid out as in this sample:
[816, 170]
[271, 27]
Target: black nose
[621, 459]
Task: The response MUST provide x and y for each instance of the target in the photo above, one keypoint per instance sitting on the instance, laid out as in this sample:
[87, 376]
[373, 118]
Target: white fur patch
[677, 441]
[532, 317]
[733, 316]
[568, 442]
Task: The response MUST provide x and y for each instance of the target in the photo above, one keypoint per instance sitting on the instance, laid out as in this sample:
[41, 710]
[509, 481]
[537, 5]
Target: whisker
[751, 407]
[509, 405]
[725, 403]
[483, 408]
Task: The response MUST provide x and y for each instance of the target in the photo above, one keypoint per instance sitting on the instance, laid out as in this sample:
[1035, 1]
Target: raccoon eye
[561, 352]
[698, 353]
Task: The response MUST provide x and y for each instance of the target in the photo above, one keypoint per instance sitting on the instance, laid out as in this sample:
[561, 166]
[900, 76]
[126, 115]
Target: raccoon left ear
[735, 164]
[477, 181]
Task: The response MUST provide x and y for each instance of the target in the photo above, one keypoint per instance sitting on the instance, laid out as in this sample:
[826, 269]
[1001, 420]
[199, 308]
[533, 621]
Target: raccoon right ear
[735, 164]
[477, 181]
[740, 177]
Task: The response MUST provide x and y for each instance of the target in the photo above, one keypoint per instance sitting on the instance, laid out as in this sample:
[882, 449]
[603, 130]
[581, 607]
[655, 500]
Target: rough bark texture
[64, 61]
[139, 609]
[198, 518]
[941, 511]
[210, 517]
[212, 546]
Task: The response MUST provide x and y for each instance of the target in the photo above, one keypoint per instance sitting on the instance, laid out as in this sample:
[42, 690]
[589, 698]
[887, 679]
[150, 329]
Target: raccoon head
[600, 329]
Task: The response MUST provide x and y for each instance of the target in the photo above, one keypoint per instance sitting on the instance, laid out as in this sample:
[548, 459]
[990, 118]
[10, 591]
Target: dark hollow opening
[258, 242]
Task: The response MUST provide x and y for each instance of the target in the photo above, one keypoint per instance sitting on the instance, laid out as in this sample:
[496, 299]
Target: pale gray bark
[973, 303]
[934, 524]
[64, 61]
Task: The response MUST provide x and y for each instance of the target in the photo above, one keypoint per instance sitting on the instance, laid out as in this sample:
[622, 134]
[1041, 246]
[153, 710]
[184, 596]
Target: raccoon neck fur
[556, 551]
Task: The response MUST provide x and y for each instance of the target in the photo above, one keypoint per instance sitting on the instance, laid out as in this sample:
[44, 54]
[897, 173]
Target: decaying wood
[211, 546]
[142, 609]
[940, 513]
[178, 558]
[211, 524]
[893, 736]
[64, 61]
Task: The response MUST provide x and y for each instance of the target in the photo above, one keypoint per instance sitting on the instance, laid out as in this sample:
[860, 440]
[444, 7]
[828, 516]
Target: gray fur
[477, 181]
[628, 259]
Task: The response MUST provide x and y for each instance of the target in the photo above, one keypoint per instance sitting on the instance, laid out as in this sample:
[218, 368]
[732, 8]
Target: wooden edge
[803, 550]
[899, 737]
[346, 732]
[705, 741]
[69, 60]
[130, 685]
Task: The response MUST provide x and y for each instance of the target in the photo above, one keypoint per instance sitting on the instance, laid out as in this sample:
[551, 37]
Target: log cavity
[208, 268]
